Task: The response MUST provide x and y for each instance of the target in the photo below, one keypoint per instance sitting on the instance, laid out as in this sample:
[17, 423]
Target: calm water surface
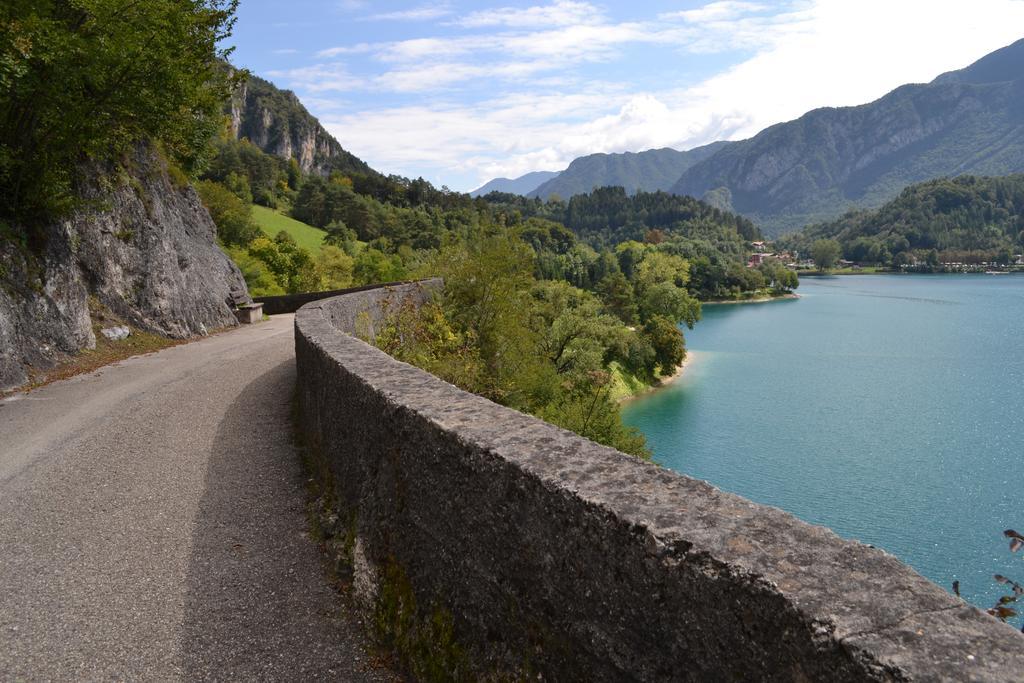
[889, 408]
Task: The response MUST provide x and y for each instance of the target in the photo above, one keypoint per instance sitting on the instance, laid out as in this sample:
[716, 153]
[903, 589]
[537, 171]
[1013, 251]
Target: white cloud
[541, 114]
[421, 13]
[319, 78]
[716, 11]
[325, 105]
[559, 13]
[358, 48]
[422, 64]
[429, 77]
[418, 49]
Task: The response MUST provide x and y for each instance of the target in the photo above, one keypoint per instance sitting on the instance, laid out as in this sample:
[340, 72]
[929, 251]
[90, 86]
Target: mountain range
[523, 185]
[832, 160]
[655, 169]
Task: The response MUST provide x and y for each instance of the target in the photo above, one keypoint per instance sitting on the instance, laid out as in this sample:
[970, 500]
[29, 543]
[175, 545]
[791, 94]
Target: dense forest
[716, 243]
[390, 226]
[966, 219]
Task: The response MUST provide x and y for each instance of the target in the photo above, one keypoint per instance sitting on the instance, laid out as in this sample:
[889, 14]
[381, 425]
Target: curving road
[152, 525]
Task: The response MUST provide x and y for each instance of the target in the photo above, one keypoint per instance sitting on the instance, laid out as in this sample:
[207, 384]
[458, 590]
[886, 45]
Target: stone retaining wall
[289, 303]
[550, 555]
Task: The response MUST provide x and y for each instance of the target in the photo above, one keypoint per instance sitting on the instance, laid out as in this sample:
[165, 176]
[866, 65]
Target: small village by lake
[803, 264]
[885, 407]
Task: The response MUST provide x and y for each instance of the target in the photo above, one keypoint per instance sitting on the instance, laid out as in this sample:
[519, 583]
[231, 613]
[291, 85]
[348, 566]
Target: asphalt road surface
[152, 525]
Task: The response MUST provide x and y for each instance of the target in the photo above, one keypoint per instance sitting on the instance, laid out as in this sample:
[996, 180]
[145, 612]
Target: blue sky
[460, 92]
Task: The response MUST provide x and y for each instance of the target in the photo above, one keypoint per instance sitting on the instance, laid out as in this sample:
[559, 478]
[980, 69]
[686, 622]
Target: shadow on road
[258, 605]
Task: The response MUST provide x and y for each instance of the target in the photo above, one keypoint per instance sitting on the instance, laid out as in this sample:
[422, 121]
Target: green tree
[629, 254]
[668, 343]
[373, 265]
[660, 281]
[425, 337]
[335, 267]
[292, 266]
[584, 407]
[825, 254]
[238, 183]
[779, 277]
[260, 280]
[666, 300]
[302, 274]
[540, 347]
[574, 333]
[294, 174]
[231, 215]
[87, 80]
[617, 295]
[659, 267]
[488, 280]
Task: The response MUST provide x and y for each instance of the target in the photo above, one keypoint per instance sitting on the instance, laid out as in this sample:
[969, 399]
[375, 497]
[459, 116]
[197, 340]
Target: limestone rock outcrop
[141, 244]
[276, 121]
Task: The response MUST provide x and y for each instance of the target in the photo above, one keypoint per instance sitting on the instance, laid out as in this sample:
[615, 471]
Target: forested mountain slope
[655, 169]
[965, 219]
[832, 160]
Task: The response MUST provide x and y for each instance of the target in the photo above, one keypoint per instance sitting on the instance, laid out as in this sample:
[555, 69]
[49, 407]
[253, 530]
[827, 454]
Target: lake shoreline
[663, 382]
[757, 300]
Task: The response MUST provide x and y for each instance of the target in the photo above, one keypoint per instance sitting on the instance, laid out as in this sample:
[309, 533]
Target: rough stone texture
[116, 333]
[145, 248]
[572, 560]
[249, 314]
[43, 308]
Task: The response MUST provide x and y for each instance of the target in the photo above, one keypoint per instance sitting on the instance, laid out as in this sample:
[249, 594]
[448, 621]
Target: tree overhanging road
[152, 525]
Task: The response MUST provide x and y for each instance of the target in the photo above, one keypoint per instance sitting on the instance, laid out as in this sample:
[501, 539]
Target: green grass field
[271, 222]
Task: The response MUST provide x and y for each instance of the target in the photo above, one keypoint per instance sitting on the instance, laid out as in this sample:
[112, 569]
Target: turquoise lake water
[889, 408]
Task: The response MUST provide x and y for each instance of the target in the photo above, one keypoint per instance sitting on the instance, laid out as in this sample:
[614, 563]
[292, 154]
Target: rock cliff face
[275, 121]
[144, 247]
[831, 160]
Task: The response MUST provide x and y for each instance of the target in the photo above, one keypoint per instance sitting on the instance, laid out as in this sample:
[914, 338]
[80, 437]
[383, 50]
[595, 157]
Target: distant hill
[832, 160]
[523, 185]
[965, 218]
[277, 122]
[649, 171]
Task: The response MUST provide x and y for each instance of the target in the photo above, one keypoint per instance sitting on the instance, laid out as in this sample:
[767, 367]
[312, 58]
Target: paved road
[152, 525]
